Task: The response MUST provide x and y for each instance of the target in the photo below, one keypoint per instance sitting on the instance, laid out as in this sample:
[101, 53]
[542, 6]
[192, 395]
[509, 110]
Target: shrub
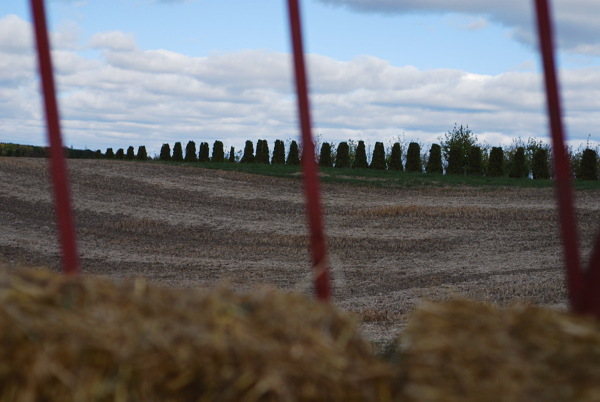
[142, 155]
[232, 155]
[248, 153]
[278, 153]
[98, 154]
[120, 154]
[539, 164]
[203, 155]
[293, 158]
[190, 152]
[130, 153]
[378, 160]
[218, 154]
[518, 167]
[413, 158]
[396, 158]
[360, 160]
[496, 165]
[342, 156]
[455, 166]
[588, 169]
[165, 153]
[464, 139]
[434, 164]
[177, 152]
[325, 156]
[475, 166]
[109, 154]
[262, 152]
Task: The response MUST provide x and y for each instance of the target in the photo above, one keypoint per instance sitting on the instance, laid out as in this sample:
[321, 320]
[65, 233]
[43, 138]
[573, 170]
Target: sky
[148, 72]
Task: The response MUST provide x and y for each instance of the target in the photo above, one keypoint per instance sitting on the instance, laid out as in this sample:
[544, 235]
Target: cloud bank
[135, 97]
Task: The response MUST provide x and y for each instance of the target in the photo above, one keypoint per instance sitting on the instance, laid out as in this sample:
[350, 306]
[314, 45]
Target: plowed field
[186, 226]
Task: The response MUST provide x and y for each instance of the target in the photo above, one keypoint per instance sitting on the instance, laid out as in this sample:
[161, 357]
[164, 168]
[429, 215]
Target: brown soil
[389, 249]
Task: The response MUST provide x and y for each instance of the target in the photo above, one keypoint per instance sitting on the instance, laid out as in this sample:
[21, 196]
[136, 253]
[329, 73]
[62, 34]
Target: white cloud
[15, 35]
[114, 40]
[135, 97]
[476, 25]
[578, 30]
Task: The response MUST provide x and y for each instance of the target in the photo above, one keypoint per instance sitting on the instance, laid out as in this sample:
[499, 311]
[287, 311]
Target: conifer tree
[589, 163]
[218, 153]
[539, 164]
[232, 155]
[342, 156]
[496, 166]
[120, 154]
[165, 153]
[413, 158]
[190, 152]
[203, 155]
[293, 158]
[360, 161]
[248, 153]
[325, 156]
[475, 165]
[518, 167]
[262, 152]
[109, 154]
[278, 153]
[434, 163]
[98, 154]
[378, 160]
[454, 161]
[130, 153]
[396, 158]
[177, 152]
[142, 155]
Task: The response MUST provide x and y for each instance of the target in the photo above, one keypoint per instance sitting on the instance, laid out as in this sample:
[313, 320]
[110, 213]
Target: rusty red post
[58, 167]
[309, 165]
[562, 170]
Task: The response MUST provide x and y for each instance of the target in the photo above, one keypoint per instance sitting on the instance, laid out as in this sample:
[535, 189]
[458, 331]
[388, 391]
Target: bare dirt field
[389, 249]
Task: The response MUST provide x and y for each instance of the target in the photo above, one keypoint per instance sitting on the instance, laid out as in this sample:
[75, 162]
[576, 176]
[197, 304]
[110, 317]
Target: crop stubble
[389, 248]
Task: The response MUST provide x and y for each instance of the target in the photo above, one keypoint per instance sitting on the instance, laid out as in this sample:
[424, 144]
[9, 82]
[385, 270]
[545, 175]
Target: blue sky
[141, 72]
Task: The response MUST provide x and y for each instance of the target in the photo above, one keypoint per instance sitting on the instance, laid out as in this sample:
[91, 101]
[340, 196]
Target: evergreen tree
[248, 153]
[130, 153]
[475, 166]
[434, 163]
[342, 156]
[232, 155]
[177, 152]
[325, 156]
[218, 154]
[293, 158]
[109, 154]
[589, 163]
[413, 158]
[190, 152]
[360, 160]
[518, 167]
[496, 166]
[142, 155]
[278, 153]
[120, 154]
[396, 158]
[98, 154]
[262, 152]
[454, 162]
[165, 153]
[378, 160]
[203, 155]
[539, 164]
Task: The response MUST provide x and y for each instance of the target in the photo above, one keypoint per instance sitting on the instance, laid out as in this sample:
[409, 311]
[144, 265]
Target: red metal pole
[309, 166]
[58, 167]
[562, 169]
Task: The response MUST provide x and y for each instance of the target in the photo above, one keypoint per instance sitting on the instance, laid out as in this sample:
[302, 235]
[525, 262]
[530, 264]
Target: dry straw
[65, 338]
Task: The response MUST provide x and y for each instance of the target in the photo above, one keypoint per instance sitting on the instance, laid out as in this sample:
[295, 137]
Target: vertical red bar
[58, 168]
[309, 165]
[562, 171]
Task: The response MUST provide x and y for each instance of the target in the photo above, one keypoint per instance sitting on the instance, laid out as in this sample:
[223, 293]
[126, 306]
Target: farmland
[184, 226]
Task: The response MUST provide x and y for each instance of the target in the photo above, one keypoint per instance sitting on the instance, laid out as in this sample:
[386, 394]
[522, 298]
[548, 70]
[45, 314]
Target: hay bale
[65, 338]
[468, 351]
